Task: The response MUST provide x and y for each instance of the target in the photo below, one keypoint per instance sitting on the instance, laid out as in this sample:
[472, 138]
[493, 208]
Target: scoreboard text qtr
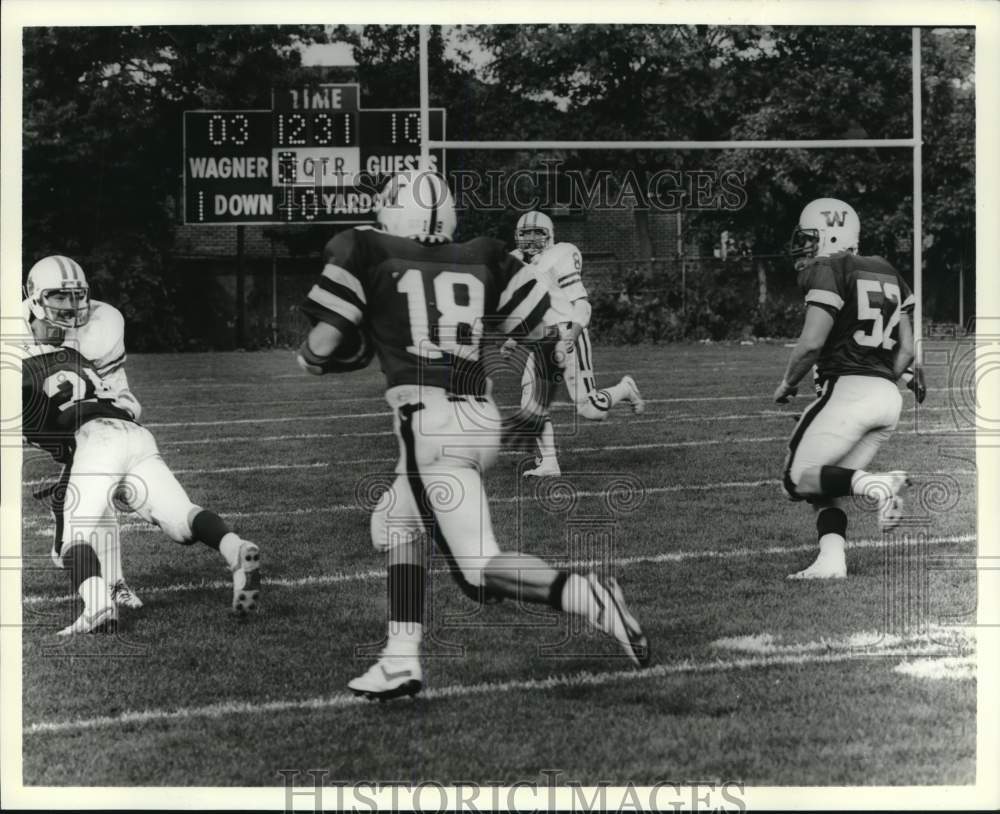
[315, 157]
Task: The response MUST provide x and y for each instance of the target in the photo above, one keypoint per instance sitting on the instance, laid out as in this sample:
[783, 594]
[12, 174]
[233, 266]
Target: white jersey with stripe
[560, 268]
[101, 341]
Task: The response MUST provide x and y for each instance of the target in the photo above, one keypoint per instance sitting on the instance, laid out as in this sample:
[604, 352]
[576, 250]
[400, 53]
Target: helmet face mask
[531, 241]
[826, 226]
[804, 242]
[58, 293]
[66, 307]
[534, 233]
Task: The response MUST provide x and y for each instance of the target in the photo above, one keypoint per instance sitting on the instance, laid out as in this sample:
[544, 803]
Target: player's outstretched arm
[904, 365]
[815, 331]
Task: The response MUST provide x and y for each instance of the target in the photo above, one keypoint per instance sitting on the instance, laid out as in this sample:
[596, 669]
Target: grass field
[755, 679]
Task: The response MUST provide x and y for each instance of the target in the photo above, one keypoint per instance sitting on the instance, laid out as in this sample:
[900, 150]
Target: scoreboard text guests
[315, 157]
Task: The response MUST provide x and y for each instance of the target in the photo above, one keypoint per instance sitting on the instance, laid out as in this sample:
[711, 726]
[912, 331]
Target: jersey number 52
[872, 297]
[452, 322]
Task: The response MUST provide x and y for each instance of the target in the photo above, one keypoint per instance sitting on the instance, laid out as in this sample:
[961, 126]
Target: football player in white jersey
[560, 266]
[58, 309]
[111, 461]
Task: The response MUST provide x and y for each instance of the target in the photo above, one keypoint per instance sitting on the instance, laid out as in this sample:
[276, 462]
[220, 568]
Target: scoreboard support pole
[240, 286]
[425, 97]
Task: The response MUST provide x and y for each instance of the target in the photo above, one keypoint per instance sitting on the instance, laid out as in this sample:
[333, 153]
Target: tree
[102, 136]
[727, 82]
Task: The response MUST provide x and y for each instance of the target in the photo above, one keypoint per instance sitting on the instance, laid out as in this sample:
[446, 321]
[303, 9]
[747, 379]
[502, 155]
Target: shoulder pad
[108, 321]
[102, 339]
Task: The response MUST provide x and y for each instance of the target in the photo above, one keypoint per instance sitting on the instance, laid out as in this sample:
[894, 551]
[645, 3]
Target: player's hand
[784, 392]
[520, 431]
[507, 348]
[914, 378]
[569, 337]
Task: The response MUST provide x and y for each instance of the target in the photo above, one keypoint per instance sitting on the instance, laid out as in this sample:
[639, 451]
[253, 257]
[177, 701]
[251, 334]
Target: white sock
[873, 486]
[111, 558]
[832, 545]
[404, 639]
[617, 393]
[547, 441]
[576, 595]
[95, 594]
[229, 548]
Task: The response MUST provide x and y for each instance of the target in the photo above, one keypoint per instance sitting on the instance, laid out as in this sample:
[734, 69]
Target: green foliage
[102, 133]
[102, 158]
[712, 304]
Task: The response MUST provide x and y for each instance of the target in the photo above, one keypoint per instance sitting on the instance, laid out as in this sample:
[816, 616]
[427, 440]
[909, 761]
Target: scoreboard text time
[315, 157]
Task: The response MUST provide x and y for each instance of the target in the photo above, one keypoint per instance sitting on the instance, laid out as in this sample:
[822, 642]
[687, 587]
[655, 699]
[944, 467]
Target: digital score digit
[315, 129]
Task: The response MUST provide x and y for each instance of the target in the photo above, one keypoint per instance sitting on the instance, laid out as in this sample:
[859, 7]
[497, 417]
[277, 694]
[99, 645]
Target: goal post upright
[914, 143]
[918, 203]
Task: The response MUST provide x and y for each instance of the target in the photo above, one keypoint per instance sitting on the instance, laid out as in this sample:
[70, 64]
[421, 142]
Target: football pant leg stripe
[473, 592]
[808, 416]
[59, 494]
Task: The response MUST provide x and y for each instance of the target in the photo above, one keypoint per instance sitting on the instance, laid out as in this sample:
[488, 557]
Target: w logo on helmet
[834, 218]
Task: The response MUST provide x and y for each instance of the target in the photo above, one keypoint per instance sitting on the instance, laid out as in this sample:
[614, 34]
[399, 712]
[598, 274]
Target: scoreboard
[315, 157]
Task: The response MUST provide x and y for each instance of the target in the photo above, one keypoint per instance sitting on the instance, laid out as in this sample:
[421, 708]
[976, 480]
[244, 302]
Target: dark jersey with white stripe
[60, 392]
[427, 307]
[866, 297]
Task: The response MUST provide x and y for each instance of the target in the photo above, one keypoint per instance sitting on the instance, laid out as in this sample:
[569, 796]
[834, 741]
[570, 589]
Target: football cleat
[824, 568]
[634, 396]
[891, 509]
[544, 468]
[611, 616]
[246, 579]
[390, 677]
[124, 597]
[104, 620]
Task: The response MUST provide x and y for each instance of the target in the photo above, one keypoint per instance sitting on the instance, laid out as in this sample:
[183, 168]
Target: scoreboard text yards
[315, 157]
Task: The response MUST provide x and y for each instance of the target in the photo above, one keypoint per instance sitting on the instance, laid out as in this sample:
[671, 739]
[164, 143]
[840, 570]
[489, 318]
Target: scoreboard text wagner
[314, 157]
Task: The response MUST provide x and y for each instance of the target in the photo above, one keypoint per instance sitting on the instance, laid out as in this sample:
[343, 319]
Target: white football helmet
[826, 226]
[58, 277]
[417, 205]
[526, 234]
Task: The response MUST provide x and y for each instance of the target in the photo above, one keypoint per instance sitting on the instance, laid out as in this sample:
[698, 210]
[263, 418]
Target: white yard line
[30, 523]
[507, 453]
[933, 429]
[343, 700]
[559, 407]
[619, 562]
[36, 522]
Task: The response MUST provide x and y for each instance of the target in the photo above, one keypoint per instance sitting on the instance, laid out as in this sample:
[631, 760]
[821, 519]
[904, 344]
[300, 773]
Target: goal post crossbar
[802, 144]
[915, 143]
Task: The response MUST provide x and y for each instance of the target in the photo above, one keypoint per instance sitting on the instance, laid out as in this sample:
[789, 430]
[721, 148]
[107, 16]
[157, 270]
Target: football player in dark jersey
[75, 415]
[426, 305]
[858, 334]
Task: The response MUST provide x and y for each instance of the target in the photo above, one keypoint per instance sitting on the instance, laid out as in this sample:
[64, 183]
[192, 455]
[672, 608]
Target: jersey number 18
[453, 322]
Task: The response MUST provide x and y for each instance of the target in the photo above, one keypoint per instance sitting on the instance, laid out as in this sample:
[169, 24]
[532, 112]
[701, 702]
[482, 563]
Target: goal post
[914, 143]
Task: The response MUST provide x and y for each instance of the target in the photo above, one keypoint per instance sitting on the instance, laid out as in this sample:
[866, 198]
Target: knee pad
[791, 486]
[178, 526]
[389, 532]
